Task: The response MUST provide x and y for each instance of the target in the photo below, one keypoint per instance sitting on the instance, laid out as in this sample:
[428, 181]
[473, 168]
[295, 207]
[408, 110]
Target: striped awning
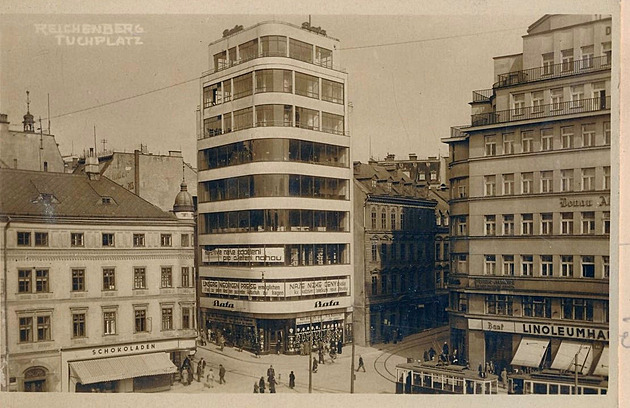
[118, 368]
[565, 357]
[602, 365]
[530, 352]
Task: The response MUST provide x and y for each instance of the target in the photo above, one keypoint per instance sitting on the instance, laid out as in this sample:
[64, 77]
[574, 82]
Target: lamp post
[310, 346]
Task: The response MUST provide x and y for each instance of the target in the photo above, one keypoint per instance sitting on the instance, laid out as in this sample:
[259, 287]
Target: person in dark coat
[271, 373]
[320, 353]
[291, 380]
[190, 375]
[314, 364]
[445, 349]
[425, 356]
[199, 370]
[261, 385]
[361, 364]
[272, 385]
[339, 347]
[221, 374]
[432, 353]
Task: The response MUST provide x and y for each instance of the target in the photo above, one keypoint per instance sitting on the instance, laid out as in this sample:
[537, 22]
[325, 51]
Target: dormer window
[46, 198]
[106, 200]
[373, 182]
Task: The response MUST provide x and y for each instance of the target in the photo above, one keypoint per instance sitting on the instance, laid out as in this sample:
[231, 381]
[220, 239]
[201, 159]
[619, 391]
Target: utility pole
[576, 371]
[352, 376]
[310, 370]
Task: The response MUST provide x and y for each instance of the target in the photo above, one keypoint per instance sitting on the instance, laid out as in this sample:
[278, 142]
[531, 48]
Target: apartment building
[530, 205]
[274, 189]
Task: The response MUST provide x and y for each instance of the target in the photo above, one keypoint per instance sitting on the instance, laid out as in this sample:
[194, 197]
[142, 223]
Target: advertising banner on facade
[275, 288]
[223, 255]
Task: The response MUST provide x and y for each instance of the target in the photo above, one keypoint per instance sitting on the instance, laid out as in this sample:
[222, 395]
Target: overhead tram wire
[345, 49]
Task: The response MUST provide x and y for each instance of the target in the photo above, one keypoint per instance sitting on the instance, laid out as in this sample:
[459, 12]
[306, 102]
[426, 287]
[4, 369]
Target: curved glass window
[243, 85]
[274, 185]
[306, 85]
[274, 115]
[274, 80]
[274, 220]
[287, 150]
[274, 46]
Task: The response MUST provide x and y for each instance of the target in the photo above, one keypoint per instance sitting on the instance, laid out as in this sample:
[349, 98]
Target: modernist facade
[99, 285]
[395, 284]
[274, 189]
[530, 205]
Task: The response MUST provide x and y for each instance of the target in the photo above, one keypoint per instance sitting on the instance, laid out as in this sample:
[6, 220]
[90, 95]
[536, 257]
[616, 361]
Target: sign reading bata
[275, 289]
[275, 255]
[555, 330]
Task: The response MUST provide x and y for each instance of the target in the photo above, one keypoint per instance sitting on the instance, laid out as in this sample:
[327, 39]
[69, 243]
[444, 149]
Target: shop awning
[118, 368]
[565, 357]
[602, 365]
[530, 352]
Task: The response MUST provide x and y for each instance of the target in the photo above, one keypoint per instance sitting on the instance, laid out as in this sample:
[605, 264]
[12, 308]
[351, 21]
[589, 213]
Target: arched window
[35, 379]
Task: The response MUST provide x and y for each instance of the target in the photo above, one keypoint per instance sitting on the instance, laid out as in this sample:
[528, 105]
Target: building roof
[380, 180]
[61, 195]
[183, 201]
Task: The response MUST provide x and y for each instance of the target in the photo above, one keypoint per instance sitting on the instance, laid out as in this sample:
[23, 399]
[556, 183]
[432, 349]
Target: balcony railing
[482, 95]
[552, 71]
[541, 111]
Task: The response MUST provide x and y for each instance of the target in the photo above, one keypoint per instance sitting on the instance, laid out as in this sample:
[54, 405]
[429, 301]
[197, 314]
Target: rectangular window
[588, 222]
[109, 322]
[527, 141]
[139, 278]
[518, 102]
[606, 181]
[187, 318]
[557, 98]
[212, 126]
[508, 224]
[332, 123]
[274, 46]
[383, 220]
[41, 239]
[546, 139]
[109, 279]
[491, 145]
[490, 183]
[76, 239]
[547, 63]
[78, 280]
[393, 220]
[508, 143]
[607, 133]
[243, 118]
[41, 280]
[527, 265]
[527, 224]
[508, 265]
[186, 278]
[546, 265]
[306, 118]
[577, 309]
[587, 56]
[26, 329]
[567, 59]
[306, 85]
[566, 180]
[24, 281]
[490, 265]
[606, 266]
[537, 306]
[566, 137]
[546, 181]
[373, 220]
[577, 96]
[537, 102]
[546, 223]
[167, 318]
[140, 320]
[499, 305]
[588, 266]
[138, 240]
[490, 225]
[166, 280]
[243, 86]
[566, 223]
[212, 95]
[78, 325]
[588, 135]
[606, 222]
[588, 179]
[566, 265]
[527, 182]
[107, 239]
[248, 50]
[323, 57]
[332, 91]
[374, 285]
[300, 50]
[607, 53]
[166, 240]
[23, 238]
[461, 226]
[43, 328]
[185, 240]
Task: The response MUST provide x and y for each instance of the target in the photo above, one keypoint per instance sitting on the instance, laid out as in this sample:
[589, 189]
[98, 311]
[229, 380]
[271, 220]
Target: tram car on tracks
[435, 378]
[555, 382]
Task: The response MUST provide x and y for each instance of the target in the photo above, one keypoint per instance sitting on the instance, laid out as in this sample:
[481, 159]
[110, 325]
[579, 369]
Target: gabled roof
[61, 195]
[389, 181]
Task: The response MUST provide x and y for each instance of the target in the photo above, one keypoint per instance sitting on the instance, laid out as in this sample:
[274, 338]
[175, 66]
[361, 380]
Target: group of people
[187, 372]
[259, 386]
[445, 357]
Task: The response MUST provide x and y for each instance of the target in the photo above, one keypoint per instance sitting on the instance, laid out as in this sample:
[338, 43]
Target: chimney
[413, 156]
[91, 166]
[390, 157]
[4, 123]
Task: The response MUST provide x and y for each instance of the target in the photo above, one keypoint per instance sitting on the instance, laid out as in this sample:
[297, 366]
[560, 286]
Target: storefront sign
[601, 201]
[222, 255]
[542, 329]
[274, 289]
[320, 304]
[333, 317]
[493, 283]
[128, 349]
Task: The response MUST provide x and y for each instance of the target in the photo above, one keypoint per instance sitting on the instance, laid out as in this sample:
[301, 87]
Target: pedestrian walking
[184, 377]
[278, 346]
[261, 385]
[291, 380]
[199, 370]
[271, 373]
[361, 364]
[339, 347]
[321, 355]
[504, 378]
[272, 385]
[221, 374]
[190, 375]
[203, 364]
[210, 379]
[314, 365]
[255, 387]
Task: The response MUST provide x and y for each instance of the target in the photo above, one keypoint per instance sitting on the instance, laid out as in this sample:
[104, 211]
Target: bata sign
[274, 255]
[555, 330]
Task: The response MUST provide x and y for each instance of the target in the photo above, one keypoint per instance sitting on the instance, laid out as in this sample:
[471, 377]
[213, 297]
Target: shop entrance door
[277, 341]
[498, 349]
[35, 380]
[35, 386]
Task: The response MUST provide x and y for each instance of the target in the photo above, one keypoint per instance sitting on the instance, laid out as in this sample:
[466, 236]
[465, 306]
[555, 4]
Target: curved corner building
[274, 190]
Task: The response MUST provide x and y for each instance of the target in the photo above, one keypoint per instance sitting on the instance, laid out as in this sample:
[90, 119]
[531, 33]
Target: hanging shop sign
[229, 255]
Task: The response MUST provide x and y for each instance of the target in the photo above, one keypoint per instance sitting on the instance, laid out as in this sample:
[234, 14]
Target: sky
[410, 77]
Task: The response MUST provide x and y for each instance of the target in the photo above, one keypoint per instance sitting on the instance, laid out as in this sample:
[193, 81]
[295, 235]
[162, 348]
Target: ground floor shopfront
[278, 333]
[522, 346]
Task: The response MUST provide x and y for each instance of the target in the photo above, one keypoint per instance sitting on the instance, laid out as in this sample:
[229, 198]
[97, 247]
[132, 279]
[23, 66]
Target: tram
[432, 378]
[554, 382]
